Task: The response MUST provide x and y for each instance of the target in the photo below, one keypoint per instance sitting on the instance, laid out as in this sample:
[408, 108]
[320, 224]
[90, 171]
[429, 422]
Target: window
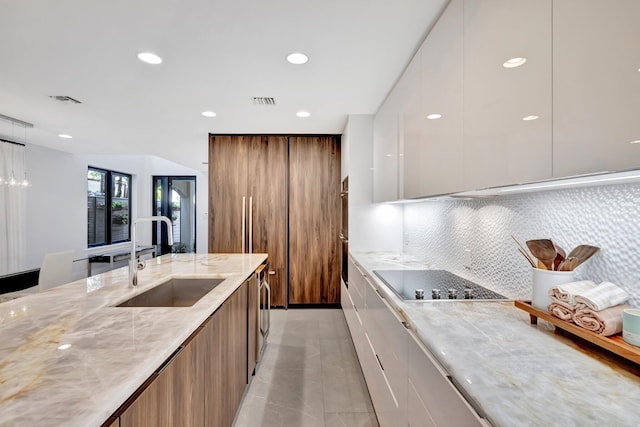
[108, 207]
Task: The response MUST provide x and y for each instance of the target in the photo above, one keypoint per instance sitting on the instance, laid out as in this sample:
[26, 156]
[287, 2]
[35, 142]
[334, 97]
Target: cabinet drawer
[417, 413]
[384, 402]
[445, 404]
[389, 339]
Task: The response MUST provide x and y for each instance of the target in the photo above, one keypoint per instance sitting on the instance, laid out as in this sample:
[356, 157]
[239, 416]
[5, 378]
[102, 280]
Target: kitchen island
[511, 372]
[111, 350]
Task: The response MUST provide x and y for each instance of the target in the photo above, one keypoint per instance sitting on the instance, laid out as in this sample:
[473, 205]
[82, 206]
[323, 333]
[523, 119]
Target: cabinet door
[596, 86]
[314, 220]
[417, 413]
[389, 339]
[446, 406]
[268, 189]
[175, 396]
[225, 371]
[500, 146]
[385, 151]
[439, 156]
[228, 171]
[409, 143]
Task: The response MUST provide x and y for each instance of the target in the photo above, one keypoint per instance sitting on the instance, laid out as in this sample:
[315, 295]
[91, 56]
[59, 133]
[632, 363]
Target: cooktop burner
[434, 284]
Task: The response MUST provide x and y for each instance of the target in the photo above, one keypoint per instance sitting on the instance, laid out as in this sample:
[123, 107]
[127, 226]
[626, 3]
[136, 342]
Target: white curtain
[12, 208]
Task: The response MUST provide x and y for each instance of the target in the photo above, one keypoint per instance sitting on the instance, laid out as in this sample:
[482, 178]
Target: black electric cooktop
[434, 283]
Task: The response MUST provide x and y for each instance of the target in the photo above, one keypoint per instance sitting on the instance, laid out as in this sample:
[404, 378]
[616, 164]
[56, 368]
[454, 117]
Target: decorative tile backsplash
[472, 238]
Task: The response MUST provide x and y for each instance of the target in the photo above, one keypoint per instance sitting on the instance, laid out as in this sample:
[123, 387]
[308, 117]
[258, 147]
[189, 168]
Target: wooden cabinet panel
[596, 86]
[268, 189]
[112, 422]
[226, 370]
[500, 147]
[314, 220]
[253, 167]
[228, 175]
[176, 394]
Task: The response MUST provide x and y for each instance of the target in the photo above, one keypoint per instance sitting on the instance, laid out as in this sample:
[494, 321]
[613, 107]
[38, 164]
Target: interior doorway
[175, 198]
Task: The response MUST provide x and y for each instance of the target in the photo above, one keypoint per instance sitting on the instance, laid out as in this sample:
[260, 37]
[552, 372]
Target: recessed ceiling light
[64, 346]
[303, 114]
[149, 58]
[65, 136]
[529, 118]
[208, 114]
[514, 62]
[637, 141]
[297, 58]
[434, 116]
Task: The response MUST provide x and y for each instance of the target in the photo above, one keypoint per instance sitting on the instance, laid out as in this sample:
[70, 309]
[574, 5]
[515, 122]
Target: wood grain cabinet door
[250, 171]
[175, 396]
[225, 372]
[228, 174]
[314, 220]
[268, 191]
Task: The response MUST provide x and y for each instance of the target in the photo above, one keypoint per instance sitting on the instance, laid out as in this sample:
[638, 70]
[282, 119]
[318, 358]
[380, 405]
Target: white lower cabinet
[389, 341]
[444, 403]
[407, 385]
[417, 413]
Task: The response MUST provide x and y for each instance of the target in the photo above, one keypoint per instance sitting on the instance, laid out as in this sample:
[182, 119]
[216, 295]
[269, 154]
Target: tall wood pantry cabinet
[280, 195]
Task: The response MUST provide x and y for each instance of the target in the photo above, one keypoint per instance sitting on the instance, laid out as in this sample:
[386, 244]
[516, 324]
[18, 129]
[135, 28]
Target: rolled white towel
[567, 291]
[606, 322]
[561, 310]
[603, 296]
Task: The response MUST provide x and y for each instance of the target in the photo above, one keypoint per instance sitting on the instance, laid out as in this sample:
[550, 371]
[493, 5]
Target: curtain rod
[16, 121]
[12, 142]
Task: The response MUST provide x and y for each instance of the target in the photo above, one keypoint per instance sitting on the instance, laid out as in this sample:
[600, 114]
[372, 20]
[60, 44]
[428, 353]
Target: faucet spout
[133, 263]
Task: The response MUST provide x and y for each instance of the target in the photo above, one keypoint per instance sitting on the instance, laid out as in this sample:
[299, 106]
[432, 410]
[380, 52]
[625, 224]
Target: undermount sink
[173, 293]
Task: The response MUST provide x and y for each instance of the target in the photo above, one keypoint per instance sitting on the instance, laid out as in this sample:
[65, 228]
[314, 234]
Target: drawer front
[417, 413]
[383, 400]
[448, 408]
[390, 340]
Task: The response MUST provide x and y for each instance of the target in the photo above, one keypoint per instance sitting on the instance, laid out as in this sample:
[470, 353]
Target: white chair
[55, 270]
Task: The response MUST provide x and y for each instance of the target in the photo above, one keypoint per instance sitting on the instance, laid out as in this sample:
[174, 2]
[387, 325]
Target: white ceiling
[217, 54]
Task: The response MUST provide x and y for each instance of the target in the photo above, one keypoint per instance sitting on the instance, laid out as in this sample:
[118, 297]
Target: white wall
[372, 226]
[57, 200]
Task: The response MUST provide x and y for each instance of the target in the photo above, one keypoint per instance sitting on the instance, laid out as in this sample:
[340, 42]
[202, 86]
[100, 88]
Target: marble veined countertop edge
[113, 349]
[515, 373]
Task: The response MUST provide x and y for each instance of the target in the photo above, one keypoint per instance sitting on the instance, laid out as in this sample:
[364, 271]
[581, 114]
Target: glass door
[175, 198]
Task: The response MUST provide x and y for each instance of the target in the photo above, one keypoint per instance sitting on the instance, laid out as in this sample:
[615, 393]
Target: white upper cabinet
[438, 163]
[385, 151]
[596, 86]
[408, 92]
[500, 146]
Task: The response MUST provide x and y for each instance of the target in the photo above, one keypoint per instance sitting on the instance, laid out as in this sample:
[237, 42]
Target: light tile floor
[309, 375]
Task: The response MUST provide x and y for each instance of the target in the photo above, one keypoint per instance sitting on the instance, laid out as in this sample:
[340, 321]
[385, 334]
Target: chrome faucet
[133, 263]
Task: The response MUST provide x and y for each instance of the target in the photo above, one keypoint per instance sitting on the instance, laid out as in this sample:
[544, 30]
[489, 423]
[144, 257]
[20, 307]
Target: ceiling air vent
[264, 100]
[64, 98]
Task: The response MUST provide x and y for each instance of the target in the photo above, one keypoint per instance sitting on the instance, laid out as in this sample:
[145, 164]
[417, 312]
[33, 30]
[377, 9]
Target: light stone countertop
[113, 349]
[516, 373]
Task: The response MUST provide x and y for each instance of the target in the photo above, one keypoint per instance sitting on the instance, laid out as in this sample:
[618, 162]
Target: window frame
[109, 179]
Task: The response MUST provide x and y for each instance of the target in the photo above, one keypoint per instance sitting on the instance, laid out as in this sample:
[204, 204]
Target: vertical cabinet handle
[250, 225]
[244, 215]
